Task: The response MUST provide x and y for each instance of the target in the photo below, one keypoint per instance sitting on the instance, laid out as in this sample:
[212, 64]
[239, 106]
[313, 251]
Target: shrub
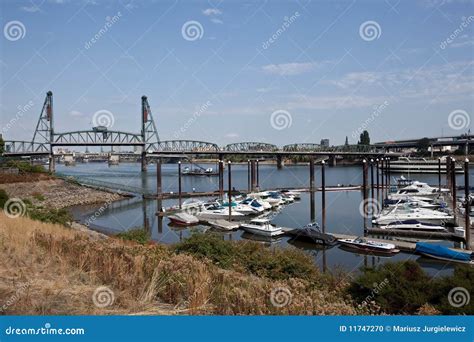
[250, 256]
[139, 235]
[396, 287]
[3, 198]
[59, 216]
[25, 167]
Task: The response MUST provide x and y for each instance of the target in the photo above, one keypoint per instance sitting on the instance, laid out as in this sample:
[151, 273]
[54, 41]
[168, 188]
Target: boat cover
[441, 251]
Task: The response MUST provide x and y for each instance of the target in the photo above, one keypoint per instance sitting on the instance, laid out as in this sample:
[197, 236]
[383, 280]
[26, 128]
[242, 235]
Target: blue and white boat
[443, 253]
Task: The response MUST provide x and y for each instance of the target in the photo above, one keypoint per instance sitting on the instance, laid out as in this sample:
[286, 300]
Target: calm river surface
[342, 208]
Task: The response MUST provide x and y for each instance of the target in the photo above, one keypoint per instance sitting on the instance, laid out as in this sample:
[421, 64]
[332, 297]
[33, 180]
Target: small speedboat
[216, 211]
[366, 245]
[261, 226]
[312, 233]
[183, 219]
[444, 253]
[414, 225]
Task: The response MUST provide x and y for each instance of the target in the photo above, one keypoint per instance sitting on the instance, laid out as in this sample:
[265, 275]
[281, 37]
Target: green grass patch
[253, 257]
[139, 235]
[403, 288]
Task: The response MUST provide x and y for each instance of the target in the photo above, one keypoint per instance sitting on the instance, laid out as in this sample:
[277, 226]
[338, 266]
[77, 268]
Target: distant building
[325, 142]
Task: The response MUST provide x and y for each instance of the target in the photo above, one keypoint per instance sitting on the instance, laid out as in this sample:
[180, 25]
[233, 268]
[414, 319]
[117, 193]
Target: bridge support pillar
[279, 162]
[143, 160]
[52, 164]
[332, 160]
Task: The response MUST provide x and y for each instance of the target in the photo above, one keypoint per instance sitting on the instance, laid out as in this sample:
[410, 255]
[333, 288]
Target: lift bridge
[46, 138]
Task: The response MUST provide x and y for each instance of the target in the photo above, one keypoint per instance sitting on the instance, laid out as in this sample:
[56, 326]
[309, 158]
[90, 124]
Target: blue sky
[310, 62]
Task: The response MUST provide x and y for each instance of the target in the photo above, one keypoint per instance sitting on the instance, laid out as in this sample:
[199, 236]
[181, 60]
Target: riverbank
[55, 193]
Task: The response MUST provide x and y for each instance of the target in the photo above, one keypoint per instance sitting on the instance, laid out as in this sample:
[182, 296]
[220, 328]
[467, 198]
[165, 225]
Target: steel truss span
[97, 138]
[186, 146]
[250, 146]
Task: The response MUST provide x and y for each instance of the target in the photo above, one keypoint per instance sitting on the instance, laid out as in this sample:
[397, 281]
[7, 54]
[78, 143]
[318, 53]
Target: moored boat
[366, 245]
[260, 226]
[444, 253]
[183, 219]
[312, 233]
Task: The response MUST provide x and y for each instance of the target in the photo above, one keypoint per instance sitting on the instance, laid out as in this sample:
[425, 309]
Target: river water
[342, 208]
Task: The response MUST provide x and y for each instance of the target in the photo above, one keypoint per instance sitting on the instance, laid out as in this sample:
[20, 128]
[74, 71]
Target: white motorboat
[216, 211]
[418, 189]
[413, 202]
[274, 202]
[414, 225]
[295, 194]
[254, 204]
[183, 219]
[398, 214]
[369, 245]
[223, 224]
[260, 226]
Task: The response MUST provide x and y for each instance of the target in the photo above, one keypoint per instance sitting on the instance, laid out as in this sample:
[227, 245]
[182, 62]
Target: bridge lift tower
[147, 139]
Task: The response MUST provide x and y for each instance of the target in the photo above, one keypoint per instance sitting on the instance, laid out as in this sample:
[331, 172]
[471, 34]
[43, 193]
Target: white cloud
[288, 69]
[217, 21]
[31, 9]
[334, 102]
[76, 113]
[232, 135]
[212, 11]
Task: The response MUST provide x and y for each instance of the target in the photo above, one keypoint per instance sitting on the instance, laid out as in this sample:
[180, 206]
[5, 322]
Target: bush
[139, 235]
[404, 288]
[25, 167]
[253, 257]
[59, 216]
[3, 198]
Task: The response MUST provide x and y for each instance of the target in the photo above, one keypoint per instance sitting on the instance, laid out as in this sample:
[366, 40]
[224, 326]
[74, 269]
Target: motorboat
[443, 253]
[422, 215]
[274, 201]
[312, 233]
[254, 204]
[414, 225]
[261, 226]
[414, 202]
[295, 194]
[217, 211]
[366, 245]
[223, 224]
[418, 189]
[183, 219]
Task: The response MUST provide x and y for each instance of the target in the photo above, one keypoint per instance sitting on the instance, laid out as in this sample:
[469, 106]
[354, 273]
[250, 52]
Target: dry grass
[49, 269]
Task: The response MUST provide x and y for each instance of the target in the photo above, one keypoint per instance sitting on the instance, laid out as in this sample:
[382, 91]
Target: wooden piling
[221, 179]
[311, 174]
[439, 174]
[159, 187]
[382, 175]
[248, 176]
[453, 183]
[372, 177]
[230, 190]
[258, 174]
[323, 194]
[179, 184]
[467, 217]
[377, 174]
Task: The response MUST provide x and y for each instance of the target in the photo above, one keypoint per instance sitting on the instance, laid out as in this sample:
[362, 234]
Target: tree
[423, 145]
[2, 145]
[364, 138]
